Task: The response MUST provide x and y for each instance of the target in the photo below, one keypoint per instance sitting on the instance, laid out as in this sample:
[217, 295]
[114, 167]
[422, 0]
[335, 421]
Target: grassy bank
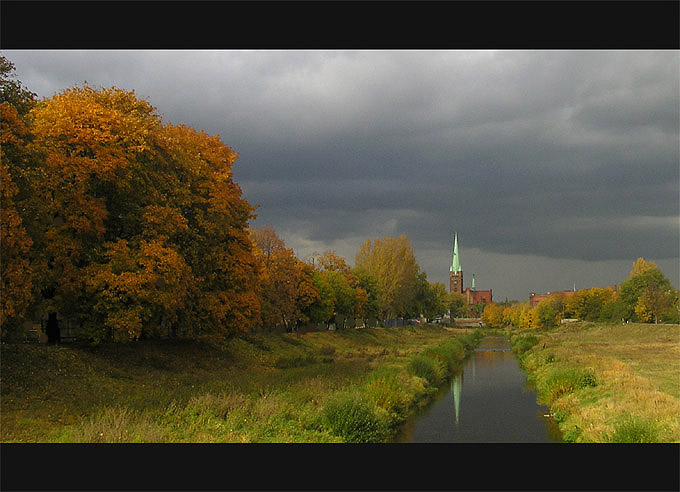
[354, 385]
[606, 382]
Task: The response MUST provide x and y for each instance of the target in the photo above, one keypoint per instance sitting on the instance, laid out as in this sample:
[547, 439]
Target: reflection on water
[490, 402]
[456, 384]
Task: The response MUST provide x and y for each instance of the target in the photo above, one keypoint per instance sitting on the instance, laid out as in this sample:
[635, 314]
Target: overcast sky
[555, 168]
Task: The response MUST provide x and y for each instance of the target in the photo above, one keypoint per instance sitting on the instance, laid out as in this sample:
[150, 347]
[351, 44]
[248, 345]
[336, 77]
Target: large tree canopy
[136, 226]
[648, 295]
[392, 262]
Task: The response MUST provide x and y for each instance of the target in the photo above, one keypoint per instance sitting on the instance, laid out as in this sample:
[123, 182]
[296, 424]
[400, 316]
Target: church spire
[473, 282]
[455, 264]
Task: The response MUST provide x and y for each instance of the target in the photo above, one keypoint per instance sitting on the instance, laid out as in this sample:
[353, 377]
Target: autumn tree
[321, 309]
[430, 298]
[16, 272]
[648, 295]
[137, 226]
[589, 304]
[268, 243]
[369, 306]
[457, 305]
[289, 293]
[492, 316]
[547, 313]
[349, 297]
[12, 90]
[392, 263]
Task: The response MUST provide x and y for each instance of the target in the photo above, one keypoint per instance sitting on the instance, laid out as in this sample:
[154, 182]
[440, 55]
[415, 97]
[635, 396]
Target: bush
[587, 379]
[395, 392]
[560, 383]
[287, 362]
[634, 430]
[450, 353]
[522, 343]
[327, 350]
[355, 420]
[433, 370]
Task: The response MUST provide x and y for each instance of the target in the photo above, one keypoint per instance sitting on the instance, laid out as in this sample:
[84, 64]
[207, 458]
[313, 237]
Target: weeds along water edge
[606, 382]
[351, 386]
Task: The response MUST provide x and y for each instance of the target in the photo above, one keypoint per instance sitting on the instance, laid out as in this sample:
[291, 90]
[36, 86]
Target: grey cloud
[569, 155]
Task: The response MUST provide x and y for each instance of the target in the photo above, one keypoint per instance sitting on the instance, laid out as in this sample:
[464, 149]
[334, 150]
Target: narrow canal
[489, 401]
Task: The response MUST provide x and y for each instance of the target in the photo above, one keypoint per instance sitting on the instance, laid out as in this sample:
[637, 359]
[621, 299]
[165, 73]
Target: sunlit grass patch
[631, 429]
[118, 425]
[634, 371]
[250, 389]
[355, 419]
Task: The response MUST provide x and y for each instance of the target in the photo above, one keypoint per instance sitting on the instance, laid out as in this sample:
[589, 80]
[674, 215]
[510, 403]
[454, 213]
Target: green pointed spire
[455, 264]
[473, 282]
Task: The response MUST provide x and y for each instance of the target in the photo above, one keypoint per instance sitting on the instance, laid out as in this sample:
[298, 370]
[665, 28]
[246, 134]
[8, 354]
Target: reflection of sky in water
[489, 402]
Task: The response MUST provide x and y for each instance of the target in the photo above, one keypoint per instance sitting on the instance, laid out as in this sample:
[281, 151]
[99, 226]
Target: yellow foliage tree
[392, 262]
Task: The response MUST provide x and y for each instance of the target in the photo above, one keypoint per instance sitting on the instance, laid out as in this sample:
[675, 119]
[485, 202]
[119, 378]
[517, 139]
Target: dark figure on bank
[53, 334]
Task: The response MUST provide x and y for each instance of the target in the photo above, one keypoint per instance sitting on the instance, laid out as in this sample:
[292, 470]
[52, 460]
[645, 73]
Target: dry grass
[637, 367]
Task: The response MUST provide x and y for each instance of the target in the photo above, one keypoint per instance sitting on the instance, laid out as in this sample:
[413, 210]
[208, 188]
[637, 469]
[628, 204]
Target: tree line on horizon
[131, 227]
[647, 296]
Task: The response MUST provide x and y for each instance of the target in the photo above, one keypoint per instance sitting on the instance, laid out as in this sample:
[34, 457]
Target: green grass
[607, 382]
[259, 388]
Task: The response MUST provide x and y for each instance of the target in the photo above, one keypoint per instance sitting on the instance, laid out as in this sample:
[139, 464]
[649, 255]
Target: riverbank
[606, 382]
[344, 386]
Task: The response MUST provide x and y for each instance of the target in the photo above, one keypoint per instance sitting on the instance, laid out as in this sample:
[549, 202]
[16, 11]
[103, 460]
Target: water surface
[488, 401]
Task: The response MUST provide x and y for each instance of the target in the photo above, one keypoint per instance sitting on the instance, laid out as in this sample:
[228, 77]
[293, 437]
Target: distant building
[534, 298]
[472, 295]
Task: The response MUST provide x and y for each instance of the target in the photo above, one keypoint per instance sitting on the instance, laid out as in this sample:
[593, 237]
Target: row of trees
[646, 296]
[385, 283]
[131, 227]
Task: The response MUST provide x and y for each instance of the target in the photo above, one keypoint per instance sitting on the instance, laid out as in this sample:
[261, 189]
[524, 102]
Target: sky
[556, 168]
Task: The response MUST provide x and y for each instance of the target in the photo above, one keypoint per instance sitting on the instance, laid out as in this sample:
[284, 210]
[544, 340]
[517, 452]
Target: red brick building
[475, 296]
[534, 298]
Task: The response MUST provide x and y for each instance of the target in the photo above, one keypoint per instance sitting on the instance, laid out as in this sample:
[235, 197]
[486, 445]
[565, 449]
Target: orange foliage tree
[138, 228]
[287, 284]
[17, 165]
[16, 273]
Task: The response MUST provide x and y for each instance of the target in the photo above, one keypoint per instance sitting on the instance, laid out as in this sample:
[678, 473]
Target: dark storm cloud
[552, 154]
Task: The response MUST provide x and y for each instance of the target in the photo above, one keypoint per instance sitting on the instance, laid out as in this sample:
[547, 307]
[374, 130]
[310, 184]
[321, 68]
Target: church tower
[455, 272]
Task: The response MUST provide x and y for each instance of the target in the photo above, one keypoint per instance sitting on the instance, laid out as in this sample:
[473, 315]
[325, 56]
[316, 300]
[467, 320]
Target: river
[489, 401]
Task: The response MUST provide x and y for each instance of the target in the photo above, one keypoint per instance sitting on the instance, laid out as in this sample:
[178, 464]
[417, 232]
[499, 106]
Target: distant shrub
[433, 370]
[394, 391]
[587, 379]
[524, 343]
[450, 353]
[560, 383]
[326, 350]
[288, 361]
[355, 420]
[634, 430]
[572, 434]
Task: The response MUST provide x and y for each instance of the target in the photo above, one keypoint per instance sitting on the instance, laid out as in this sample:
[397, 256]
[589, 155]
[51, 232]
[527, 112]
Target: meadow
[607, 382]
[343, 386]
